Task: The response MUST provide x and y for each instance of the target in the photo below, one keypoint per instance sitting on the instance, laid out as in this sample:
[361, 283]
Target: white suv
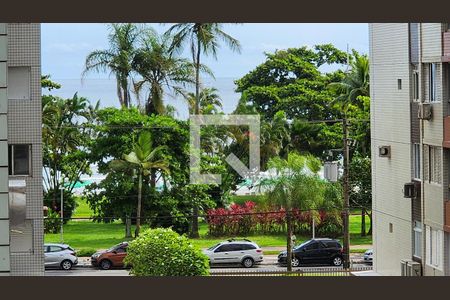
[233, 251]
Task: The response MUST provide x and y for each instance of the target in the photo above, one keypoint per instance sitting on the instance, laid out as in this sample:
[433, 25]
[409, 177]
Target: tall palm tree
[143, 159]
[201, 38]
[160, 70]
[355, 83]
[210, 101]
[123, 39]
[295, 185]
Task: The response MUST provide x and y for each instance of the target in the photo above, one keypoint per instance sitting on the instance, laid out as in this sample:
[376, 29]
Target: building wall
[24, 123]
[4, 207]
[390, 126]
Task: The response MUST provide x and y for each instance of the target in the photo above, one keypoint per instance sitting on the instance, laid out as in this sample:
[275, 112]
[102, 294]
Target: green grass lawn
[82, 210]
[88, 236]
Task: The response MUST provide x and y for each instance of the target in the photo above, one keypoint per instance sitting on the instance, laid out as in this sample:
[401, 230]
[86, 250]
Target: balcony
[446, 142]
[446, 46]
[447, 216]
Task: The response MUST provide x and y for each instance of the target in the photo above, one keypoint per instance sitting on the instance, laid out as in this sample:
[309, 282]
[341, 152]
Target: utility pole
[346, 195]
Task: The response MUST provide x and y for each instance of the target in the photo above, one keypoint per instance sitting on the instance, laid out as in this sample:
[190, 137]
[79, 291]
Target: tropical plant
[66, 134]
[143, 159]
[210, 101]
[202, 38]
[295, 185]
[160, 70]
[123, 39]
[163, 252]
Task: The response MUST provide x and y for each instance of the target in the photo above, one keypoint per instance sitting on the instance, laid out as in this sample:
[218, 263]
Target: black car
[315, 251]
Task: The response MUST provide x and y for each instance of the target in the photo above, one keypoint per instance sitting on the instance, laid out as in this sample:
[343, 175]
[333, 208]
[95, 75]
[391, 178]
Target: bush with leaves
[163, 252]
[52, 222]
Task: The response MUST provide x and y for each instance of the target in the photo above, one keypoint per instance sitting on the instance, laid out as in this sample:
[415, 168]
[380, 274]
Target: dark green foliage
[52, 222]
[163, 252]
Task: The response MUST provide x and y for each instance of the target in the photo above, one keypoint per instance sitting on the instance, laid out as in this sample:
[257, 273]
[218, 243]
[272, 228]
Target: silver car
[368, 256]
[242, 252]
[60, 255]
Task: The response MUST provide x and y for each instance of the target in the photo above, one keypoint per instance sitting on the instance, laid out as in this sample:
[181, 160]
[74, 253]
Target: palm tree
[274, 137]
[160, 69]
[295, 185]
[210, 101]
[355, 84]
[123, 39]
[143, 159]
[201, 38]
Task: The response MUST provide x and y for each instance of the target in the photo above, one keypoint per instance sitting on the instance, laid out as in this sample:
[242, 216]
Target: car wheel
[66, 265]
[337, 261]
[105, 264]
[248, 262]
[295, 262]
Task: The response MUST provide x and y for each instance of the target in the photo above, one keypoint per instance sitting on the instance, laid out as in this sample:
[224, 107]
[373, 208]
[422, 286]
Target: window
[224, 248]
[417, 251]
[54, 249]
[432, 82]
[19, 83]
[434, 168]
[415, 83]
[399, 84]
[416, 161]
[248, 247]
[19, 159]
[391, 228]
[312, 246]
[434, 247]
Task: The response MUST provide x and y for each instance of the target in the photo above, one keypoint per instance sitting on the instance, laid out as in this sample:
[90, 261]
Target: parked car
[368, 256]
[315, 251]
[59, 255]
[244, 252]
[113, 257]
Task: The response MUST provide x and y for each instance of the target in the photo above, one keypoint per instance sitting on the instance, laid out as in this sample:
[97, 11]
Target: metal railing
[310, 271]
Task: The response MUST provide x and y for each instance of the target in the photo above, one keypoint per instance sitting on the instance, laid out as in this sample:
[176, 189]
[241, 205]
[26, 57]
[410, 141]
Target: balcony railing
[447, 216]
[446, 46]
[446, 142]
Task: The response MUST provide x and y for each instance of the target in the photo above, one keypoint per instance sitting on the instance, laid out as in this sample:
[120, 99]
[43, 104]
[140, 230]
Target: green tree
[202, 38]
[360, 180]
[210, 101]
[160, 70]
[123, 40]
[142, 159]
[66, 135]
[295, 185]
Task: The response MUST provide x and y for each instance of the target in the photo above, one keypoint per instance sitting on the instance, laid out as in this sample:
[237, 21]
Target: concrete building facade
[21, 193]
[410, 117]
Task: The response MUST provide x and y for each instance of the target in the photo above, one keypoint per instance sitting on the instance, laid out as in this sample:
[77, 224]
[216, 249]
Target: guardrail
[331, 271]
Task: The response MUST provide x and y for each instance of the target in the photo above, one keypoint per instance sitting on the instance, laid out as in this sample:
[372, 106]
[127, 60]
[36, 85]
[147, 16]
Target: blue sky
[65, 46]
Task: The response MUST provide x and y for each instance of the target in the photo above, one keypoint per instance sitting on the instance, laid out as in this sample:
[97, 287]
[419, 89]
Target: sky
[65, 47]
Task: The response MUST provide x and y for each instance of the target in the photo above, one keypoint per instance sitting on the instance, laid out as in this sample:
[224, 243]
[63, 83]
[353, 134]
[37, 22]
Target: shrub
[84, 252]
[52, 200]
[163, 252]
[52, 222]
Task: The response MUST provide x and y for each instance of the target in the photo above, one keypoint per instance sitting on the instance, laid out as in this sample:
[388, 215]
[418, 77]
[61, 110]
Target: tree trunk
[289, 241]
[138, 212]
[127, 227]
[194, 225]
[370, 218]
[363, 222]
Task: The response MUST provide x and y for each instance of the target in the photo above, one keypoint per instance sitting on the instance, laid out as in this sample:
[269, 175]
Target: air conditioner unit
[384, 151]
[409, 190]
[424, 112]
[414, 268]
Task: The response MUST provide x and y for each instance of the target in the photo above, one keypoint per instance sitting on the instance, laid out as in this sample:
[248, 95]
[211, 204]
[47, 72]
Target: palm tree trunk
[194, 226]
[138, 212]
[289, 240]
[119, 92]
[126, 94]
[127, 226]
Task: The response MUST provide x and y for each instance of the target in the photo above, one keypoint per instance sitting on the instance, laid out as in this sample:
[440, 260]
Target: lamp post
[62, 212]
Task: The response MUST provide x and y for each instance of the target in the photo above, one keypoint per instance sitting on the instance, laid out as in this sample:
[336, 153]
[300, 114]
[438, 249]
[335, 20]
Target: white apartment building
[21, 215]
[410, 128]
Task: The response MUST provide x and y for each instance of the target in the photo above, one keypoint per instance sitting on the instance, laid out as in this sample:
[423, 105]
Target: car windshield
[114, 247]
[211, 248]
[301, 245]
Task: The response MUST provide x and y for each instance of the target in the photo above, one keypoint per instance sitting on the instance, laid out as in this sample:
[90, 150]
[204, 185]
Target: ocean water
[104, 90]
